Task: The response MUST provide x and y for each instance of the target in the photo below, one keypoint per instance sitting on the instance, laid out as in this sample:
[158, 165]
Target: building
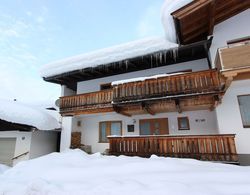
[153, 96]
[26, 132]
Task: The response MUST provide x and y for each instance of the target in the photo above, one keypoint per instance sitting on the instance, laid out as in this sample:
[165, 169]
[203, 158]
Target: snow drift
[75, 172]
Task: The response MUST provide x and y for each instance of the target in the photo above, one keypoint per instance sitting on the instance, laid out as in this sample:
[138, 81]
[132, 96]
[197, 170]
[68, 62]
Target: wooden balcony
[99, 101]
[187, 91]
[186, 84]
[234, 59]
[202, 147]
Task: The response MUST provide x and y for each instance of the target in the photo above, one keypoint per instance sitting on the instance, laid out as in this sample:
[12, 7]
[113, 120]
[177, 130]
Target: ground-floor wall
[23, 140]
[31, 144]
[42, 143]
[201, 122]
[229, 117]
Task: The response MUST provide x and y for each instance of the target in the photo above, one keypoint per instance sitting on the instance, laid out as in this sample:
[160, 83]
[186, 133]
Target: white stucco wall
[94, 85]
[42, 143]
[65, 91]
[233, 28]
[229, 117]
[23, 141]
[66, 133]
[90, 125]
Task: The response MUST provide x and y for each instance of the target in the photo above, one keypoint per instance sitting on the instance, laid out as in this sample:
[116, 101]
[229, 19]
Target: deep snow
[75, 172]
[17, 112]
[107, 55]
[3, 168]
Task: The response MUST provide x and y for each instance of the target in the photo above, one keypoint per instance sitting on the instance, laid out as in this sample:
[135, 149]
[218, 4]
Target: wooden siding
[202, 147]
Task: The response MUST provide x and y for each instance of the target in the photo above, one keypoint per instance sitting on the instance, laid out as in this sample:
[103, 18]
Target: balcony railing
[193, 83]
[234, 56]
[202, 147]
[86, 101]
[180, 84]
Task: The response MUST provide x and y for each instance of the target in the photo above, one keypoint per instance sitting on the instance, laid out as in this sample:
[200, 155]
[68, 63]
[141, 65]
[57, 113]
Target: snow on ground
[168, 7]
[3, 168]
[107, 55]
[16, 112]
[75, 172]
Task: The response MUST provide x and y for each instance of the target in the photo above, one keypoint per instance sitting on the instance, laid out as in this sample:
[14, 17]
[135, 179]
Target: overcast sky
[36, 32]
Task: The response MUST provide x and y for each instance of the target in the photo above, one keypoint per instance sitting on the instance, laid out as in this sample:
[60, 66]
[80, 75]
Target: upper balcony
[234, 60]
[162, 93]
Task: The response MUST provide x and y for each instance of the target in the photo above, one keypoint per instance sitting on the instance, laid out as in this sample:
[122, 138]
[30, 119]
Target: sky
[37, 32]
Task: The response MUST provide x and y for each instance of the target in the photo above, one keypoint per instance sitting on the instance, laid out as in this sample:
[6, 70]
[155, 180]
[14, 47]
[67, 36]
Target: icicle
[151, 61]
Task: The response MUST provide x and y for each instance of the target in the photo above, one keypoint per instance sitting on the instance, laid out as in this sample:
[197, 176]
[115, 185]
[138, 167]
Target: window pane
[145, 128]
[103, 136]
[183, 123]
[244, 102]
[116, 128]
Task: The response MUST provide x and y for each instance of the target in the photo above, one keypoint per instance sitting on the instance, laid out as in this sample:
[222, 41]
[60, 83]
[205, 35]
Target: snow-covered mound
[75, 172]
[107, 55]
[168, 7]
[16, 112]
[3, 168]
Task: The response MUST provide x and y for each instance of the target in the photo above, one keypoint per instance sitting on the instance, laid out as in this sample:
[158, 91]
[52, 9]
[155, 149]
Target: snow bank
[3, 168]
[16, 112]
[169, 7]
[107, 55]
[75, 172]
[143, 78]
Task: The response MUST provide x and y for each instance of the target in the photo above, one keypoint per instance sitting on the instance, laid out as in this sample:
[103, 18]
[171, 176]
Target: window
[107, 128]
[158, 126]
[183, 123]
[131, 128]
[105, 86]
[244, 103]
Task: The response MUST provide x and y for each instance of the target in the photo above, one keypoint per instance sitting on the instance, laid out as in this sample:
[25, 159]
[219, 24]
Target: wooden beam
[118, 110]
[147, 108]
[177, 105]
[211, 17]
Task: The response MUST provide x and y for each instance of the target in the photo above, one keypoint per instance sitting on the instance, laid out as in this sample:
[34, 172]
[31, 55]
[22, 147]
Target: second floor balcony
[162, 93]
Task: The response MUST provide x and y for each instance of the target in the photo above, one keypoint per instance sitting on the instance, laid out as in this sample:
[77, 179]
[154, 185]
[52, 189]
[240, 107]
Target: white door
[7, 150]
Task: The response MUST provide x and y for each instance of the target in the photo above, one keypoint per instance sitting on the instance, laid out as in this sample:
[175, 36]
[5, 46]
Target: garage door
[7, 150]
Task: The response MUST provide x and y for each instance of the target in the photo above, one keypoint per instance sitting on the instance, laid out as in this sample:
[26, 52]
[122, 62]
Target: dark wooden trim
[179, 123]
[248, 125]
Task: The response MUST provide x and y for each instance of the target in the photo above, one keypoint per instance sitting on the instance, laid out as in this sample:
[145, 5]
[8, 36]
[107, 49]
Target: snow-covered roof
[144, 78]
[16, 112]
[169, 7]
[107, 55]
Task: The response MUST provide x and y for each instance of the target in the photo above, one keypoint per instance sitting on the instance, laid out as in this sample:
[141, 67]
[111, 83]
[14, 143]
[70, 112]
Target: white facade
[35, 144]
[201, 122]
[228, 113]
[233, 28]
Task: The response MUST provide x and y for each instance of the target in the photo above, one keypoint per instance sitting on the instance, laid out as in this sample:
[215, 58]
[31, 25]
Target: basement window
[244, 104]
[183, 123]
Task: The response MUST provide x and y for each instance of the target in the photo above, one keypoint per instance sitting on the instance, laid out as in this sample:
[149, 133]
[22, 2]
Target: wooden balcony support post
[177, 105]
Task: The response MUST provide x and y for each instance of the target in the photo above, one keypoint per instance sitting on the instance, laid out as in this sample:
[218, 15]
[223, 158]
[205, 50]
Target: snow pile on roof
[169, 7]
[75, 172]
[3, 168]
[107, 55]
[143, 78]
[16, 112]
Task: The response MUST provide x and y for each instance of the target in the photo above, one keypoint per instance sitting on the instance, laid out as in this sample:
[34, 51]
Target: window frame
[241, 115]
[108, 129]
[105, 85]
[179, 123]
